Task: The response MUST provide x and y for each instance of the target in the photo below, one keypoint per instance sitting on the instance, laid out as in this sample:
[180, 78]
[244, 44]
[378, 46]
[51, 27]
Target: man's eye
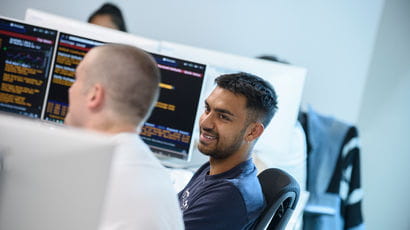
[224, 117]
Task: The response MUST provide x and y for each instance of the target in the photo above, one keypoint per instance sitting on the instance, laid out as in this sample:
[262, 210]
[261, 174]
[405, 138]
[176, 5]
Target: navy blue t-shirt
[230, 200]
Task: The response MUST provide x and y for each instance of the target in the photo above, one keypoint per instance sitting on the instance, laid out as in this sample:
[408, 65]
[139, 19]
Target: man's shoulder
[216, 205]
[229, 196]
[131, 150]
[236, 179]
[135, 167]
[138, 183]
[247, 183]
[214, 195]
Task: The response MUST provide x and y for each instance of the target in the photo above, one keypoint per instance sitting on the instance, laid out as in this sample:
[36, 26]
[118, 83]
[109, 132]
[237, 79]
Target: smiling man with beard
[225, 192]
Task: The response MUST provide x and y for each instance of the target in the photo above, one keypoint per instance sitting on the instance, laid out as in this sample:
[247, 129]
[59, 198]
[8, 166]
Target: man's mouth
[207, 137]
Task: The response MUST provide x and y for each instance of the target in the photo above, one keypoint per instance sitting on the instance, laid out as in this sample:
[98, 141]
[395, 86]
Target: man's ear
[254, 131]
[96, 96]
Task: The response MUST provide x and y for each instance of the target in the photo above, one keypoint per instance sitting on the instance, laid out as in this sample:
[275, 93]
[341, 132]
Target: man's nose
[207, 121]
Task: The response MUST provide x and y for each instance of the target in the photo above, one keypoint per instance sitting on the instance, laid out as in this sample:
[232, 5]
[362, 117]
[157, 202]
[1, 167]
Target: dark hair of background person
[261, 97]
[114, 12]
[272, 58]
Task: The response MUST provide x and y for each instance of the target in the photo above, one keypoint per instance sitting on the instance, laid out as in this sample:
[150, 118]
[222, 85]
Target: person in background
[272, 58]
[114, 92]
[225, 193]
[108, 15]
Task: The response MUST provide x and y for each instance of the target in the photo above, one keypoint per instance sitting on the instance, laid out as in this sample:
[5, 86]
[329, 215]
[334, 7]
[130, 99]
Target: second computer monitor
[170, 128]
[71, 49]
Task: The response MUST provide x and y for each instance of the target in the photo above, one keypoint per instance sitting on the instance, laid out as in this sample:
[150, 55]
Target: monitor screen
[25, 59]
[169, 129]
[70, 51]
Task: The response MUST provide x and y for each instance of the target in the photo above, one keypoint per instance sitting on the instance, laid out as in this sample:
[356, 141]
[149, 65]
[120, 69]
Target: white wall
[385, 123]
[333, 39]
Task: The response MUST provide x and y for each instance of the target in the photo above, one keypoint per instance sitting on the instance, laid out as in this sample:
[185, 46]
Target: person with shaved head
[114, 92]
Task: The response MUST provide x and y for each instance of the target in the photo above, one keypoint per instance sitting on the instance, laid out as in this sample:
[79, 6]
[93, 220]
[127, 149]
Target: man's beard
[223, 152]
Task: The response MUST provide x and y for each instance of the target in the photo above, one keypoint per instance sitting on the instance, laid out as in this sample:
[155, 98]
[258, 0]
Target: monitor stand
[197, 159]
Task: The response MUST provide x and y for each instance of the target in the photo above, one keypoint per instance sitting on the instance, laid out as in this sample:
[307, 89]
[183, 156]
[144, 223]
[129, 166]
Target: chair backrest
[281, 192]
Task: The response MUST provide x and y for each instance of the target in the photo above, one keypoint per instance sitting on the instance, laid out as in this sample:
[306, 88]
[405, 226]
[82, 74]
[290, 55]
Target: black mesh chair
[281, 192]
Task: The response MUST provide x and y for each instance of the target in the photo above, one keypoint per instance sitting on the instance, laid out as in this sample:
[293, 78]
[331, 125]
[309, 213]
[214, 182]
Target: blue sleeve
[220, 207]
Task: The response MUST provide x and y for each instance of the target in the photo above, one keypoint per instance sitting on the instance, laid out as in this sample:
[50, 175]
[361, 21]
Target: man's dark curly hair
[261, 97]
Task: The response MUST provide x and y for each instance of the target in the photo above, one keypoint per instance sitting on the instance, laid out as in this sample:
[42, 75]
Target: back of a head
[131, 78]
[260, 95]
[272, 58]
[115, 14]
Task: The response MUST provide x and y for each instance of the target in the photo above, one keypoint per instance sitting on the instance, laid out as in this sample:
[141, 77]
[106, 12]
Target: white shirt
[140, 194]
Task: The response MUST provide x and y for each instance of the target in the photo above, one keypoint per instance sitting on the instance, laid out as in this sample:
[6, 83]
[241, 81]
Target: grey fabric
[325, 136]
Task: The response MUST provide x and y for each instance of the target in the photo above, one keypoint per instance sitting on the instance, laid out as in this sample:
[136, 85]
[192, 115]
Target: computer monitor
[169, 131]
[71, 49]
[25, 62]
[51, 177]
[287, 80]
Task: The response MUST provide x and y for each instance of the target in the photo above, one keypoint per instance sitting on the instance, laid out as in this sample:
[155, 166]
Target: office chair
[281, 193]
